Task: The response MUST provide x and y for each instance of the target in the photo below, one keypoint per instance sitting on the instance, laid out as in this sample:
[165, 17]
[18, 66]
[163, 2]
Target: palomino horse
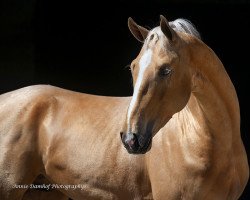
[182, 97]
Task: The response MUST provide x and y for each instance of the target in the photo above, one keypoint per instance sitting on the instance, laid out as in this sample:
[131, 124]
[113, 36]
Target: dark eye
[164, 71]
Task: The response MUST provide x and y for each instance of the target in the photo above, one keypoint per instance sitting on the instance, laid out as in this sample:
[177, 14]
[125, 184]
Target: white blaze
[143, 64]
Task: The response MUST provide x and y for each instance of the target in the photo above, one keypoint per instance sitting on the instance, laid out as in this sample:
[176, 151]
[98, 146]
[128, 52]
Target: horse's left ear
[139, 32]
[166, 29]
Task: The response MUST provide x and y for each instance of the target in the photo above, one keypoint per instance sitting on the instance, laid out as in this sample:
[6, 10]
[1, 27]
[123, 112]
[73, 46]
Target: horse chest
[177, 168]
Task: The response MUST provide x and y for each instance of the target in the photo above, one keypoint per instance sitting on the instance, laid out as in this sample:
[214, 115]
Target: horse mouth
[142, 149]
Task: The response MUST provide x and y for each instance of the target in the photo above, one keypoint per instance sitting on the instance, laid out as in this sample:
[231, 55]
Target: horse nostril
[130, 141]
[135, 136]
[121, 133]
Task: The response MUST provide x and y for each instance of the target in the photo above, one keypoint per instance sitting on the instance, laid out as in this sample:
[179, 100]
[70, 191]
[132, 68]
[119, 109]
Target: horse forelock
[153, 37]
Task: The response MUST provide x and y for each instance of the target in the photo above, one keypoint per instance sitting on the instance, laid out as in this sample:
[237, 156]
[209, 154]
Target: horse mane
[184, 25]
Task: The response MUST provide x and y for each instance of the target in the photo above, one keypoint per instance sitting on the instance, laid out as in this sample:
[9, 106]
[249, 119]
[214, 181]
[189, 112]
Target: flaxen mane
[184, 25]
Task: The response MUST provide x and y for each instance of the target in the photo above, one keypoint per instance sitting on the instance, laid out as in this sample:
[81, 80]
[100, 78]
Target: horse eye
[164, 71]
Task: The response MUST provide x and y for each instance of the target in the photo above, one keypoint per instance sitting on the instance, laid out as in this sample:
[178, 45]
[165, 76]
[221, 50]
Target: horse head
[161, 80]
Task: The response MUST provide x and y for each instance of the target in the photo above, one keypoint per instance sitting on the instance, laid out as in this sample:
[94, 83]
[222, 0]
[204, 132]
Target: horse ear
[139, 32]
[166, 29]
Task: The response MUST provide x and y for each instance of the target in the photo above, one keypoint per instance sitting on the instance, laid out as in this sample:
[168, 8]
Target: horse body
[73, 138]
[73, 154]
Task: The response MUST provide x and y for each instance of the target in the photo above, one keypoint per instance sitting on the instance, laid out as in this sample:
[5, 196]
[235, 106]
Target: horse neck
[213, 102]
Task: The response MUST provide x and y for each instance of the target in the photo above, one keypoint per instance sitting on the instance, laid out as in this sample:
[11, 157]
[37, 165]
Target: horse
[177, 137]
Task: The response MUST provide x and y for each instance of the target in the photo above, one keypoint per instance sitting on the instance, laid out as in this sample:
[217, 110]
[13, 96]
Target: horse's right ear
[139, 32]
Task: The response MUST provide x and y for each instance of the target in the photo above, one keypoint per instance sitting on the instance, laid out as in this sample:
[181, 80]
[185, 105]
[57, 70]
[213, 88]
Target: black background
[86, 48]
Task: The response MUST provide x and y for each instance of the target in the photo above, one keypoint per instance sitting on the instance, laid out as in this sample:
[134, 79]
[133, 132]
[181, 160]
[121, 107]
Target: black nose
[130, 141]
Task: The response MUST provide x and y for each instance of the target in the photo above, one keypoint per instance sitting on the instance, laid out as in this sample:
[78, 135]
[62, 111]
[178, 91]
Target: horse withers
[180, 129]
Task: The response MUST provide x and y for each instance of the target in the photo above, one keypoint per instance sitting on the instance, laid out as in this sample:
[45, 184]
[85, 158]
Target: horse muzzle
[136, 143]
